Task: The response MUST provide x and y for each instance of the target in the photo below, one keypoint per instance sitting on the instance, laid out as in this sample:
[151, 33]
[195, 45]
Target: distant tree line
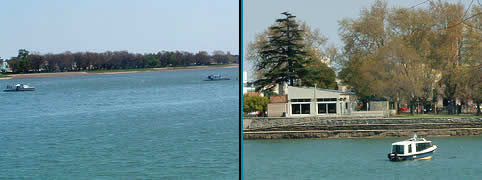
[80, 61]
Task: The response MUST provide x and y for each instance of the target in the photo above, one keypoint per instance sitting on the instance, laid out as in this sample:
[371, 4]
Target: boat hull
[24, 89]
[217, 79]
[421, 156]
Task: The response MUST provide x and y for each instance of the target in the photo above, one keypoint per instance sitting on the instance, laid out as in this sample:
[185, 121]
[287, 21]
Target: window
[423, 146]
[324, 108]
[326, 99]
[332, 108]
[300, 108]
[295, 109]
[397, 149]
[301, 100]
[305, 108]
[321, 108]
[409, 148]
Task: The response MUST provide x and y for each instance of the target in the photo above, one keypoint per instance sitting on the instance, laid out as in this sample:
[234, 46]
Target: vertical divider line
[240, 61]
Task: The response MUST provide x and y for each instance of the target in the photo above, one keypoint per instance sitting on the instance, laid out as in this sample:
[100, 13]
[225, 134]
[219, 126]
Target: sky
[323, 14]
[140, 26]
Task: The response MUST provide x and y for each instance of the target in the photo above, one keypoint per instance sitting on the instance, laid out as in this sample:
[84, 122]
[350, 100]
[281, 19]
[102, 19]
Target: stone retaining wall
[318, 127]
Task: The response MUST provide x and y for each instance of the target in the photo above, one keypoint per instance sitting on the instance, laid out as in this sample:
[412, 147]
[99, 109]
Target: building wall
[248, 89]
[302, 92]
[245, 77]
[277, 109]
[342, 107]
[379, 106]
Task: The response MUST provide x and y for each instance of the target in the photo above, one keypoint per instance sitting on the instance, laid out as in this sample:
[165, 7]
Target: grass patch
[152, 69]
[193, 67]
[435, 116]
[4, 76]
[222, 65]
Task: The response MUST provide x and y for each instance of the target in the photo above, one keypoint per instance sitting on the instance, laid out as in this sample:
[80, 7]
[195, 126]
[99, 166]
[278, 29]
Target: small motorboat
[19, 87]
[214, 77]
[413, 148]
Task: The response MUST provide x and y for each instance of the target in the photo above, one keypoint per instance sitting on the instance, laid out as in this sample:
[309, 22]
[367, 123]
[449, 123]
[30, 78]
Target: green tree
[202, 58]
[321, 75]
[283, 58]
[22, 53]
[20, 63]
[255, 103]
[153, 60]
[310, 64]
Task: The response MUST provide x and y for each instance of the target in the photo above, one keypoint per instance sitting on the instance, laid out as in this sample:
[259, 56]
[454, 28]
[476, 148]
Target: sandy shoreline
[63, 74]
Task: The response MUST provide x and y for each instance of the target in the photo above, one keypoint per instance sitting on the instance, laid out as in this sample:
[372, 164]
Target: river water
[456, 158]
[152, 125]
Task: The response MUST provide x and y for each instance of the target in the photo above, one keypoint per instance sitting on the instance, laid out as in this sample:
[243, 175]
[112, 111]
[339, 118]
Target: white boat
[216, 77]
[413, 148]
[19, 87]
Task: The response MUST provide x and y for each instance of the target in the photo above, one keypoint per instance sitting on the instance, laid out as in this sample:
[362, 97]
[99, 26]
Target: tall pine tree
[283, 58]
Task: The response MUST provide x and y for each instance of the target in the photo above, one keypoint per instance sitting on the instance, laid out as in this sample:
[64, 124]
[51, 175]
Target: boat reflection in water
[19, 87]
[413, 148]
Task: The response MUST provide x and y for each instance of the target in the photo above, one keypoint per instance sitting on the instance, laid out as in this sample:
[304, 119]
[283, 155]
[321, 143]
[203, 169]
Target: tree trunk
[478, 109]
[398, 108]
[411, 108]
[454, 107]
[435, 107]
[423, 108]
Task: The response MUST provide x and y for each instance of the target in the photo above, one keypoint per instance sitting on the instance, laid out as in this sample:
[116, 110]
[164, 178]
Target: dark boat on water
[214, 77]
[19, 87]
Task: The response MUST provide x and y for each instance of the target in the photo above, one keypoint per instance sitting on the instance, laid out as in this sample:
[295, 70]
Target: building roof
[330, 90]
[278, 99]
[252, 93]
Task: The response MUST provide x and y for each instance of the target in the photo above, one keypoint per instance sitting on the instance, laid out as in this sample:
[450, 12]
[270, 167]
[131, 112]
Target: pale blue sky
[139, 26]
[323, 14]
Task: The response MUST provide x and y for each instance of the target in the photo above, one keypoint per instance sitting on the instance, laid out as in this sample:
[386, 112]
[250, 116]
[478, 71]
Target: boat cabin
[409, 147]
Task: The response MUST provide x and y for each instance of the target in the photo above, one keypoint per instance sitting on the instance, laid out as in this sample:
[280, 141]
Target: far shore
[115, 71]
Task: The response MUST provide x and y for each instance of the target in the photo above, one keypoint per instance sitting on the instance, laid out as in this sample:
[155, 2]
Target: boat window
[397, 149]
[423, 146]
[409, 148]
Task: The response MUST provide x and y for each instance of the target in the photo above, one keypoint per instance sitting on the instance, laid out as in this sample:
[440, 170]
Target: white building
[308, 101]
[3, 65]
[246, 86]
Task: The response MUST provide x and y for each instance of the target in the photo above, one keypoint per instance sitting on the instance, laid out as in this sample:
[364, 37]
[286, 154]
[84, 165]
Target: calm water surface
[156, 125]
[456, 158]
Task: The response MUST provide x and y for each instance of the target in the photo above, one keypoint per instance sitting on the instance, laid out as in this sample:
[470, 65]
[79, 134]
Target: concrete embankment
[319, 127]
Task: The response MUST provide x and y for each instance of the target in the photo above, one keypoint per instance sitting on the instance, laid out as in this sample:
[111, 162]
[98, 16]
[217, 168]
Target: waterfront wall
[322, 127]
